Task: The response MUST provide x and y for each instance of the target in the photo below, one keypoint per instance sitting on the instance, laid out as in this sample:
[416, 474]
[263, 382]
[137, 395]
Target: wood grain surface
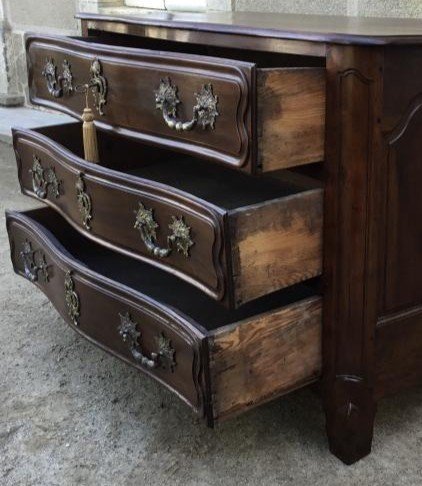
[276, 244]
[291, 117]
[271, 354]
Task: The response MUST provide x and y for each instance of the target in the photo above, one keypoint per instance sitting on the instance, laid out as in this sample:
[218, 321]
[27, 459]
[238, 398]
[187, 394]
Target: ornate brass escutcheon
[180, 236]
[71, 298]
[163, 358]
[58, 84]
[84, 202]
[204, 112]
[166, 353]
[44, 180]
[34, 263]
[98, 85]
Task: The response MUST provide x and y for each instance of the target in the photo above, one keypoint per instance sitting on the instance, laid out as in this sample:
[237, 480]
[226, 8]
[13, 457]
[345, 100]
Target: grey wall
[41, 14]
[372, 8]
[327, 7]
[18, 17]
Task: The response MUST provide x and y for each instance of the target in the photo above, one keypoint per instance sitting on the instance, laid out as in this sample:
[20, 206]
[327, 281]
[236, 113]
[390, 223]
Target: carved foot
[350, 413]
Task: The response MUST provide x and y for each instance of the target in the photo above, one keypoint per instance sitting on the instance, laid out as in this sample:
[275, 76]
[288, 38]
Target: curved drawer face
[199, 105]
[135, 216]
[125, 323]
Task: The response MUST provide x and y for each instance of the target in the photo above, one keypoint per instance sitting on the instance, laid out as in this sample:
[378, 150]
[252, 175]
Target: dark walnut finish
[244, 237]
[307, 32]
[219, 362]
[288, 130]
[372, 300]
[372, 314]
[351, 247]
[291, 90]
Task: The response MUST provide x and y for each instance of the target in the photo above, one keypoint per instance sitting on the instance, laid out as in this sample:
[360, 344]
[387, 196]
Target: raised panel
[403, 230]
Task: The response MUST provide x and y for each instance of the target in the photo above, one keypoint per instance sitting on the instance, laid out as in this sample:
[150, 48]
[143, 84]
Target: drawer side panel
[276, 244]
[291, 117]
[264, 357]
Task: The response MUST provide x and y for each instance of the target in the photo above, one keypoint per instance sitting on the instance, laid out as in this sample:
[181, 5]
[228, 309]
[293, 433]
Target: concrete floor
[72, 415]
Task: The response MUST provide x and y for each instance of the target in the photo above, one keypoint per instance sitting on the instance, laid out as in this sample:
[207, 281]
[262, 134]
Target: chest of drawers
[253, 223]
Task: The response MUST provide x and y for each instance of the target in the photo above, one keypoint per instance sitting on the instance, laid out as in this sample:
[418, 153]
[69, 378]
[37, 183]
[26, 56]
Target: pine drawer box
[254, 222]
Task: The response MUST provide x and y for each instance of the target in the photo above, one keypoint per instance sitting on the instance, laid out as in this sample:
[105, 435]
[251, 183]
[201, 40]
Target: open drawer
[255, 117]
[219, 362]
[234, 236]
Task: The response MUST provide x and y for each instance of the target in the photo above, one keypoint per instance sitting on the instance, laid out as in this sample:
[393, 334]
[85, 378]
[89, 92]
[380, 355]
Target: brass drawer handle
[73, 304]
[204, 112]
[34, 263]
[44, 180]
[59, 85]
[180, 236]
[164, 358]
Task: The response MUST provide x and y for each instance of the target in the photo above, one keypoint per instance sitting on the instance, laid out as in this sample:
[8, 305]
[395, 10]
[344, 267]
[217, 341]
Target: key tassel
[90, 136]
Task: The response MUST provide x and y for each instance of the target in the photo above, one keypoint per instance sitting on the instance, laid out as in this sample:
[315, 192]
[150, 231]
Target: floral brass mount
[163, 358]
[204, 112]
[180, 236]
[44, 180]
[72, 299]
[84, 202]
[34, 263]
[59, 85]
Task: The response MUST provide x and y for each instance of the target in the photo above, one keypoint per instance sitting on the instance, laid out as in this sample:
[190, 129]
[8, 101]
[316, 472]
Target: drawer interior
[225, 188]
[155, 283]
[259, 58]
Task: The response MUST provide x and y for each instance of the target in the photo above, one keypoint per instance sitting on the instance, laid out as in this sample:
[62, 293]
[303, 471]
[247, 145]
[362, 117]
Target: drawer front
[196, 104]
[136, 217]
[125, 323]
